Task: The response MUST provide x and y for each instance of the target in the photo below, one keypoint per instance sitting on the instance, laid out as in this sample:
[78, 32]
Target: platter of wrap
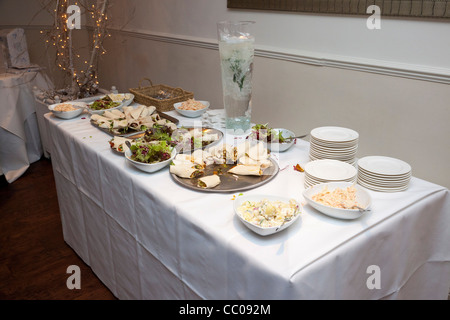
[233, 177]
[130, 120]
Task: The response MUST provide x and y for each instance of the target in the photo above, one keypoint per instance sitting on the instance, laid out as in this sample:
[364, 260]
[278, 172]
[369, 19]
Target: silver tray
[138, 135]
[230, 182]
[131, 131]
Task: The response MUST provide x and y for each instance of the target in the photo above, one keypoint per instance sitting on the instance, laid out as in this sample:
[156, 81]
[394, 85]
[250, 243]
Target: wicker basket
[161, 96]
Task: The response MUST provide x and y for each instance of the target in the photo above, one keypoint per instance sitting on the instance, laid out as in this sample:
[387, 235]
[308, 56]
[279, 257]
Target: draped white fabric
[146, 237]
[20, 142]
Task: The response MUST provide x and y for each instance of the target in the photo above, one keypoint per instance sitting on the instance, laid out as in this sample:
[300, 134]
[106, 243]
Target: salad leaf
[151, 152]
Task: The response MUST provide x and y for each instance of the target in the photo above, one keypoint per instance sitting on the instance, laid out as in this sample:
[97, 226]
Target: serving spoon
[298, 137]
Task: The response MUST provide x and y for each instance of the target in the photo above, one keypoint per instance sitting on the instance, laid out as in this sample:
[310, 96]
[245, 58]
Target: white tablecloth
[20, 142]
[146, 237]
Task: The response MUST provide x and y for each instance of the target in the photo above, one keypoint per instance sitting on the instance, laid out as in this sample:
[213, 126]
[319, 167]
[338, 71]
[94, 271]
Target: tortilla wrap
[183, 170]
[209, 181]
[250, 170]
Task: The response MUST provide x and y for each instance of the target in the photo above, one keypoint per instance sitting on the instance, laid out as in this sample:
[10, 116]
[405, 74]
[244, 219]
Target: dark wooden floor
[33, 255]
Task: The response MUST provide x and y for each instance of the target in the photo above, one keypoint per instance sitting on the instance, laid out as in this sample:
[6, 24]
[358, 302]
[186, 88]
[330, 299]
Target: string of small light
[82, 72]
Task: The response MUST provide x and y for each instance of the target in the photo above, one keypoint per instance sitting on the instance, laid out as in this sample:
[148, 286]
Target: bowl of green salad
[150, 156]
[276, 139]
[104, 103]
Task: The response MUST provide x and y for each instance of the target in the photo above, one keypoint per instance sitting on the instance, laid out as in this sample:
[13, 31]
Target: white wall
[310, 71]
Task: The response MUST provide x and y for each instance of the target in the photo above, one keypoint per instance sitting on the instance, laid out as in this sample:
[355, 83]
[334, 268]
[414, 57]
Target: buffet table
[148, 237]
[20, 142]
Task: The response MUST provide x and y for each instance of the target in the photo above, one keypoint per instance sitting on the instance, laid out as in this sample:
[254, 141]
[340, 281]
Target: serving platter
[132, 131]
[230, 182]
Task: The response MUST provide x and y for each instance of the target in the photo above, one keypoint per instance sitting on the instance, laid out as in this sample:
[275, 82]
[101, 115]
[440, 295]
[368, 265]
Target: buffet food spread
[214, 209]
[200, 160]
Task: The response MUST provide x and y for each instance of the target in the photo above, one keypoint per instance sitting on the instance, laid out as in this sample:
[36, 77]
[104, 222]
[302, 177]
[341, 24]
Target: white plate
[362, 198]
[383, 176]
[68, 114]
[334, 134]
[352, 161]
[328, 169]
[383, 184]
[382, 189]
[149, 167]
[324, 144]
[191, 113]
[260, 230]
[384, 165]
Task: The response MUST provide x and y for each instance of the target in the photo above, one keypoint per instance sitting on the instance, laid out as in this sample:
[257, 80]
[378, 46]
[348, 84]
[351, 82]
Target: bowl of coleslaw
[342, 200]
[191, 108]
[67, 110]
[266, 214]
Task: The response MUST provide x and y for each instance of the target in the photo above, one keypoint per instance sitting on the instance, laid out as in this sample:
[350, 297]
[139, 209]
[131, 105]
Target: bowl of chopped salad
[277, 140]
[104, 103]
[150, 156]
[266, 214]
[191, 108]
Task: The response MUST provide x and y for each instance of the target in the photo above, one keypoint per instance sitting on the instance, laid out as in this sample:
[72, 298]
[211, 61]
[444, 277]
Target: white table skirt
[146, 237]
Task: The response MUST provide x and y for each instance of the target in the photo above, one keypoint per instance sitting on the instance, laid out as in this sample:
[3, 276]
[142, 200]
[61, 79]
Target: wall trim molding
[389, 68]
[411, 71]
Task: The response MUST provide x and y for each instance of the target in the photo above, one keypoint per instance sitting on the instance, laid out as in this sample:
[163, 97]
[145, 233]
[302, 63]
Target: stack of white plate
[328, 170]
[334, 143]
[383, 173]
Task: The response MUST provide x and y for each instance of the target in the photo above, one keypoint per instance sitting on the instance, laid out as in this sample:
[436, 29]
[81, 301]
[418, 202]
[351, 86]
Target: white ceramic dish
[149, 167]
[100, 112]
[261, 230]
[68, 114]
[192, 113]
[384, 166]
[125, 102]
[334, 134]
[279, 147]
[329, 170]
[362, 198]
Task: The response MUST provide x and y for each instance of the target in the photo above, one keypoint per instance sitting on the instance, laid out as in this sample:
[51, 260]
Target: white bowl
[276, 146]
[100, 112]
[149, 167]
[263, 231]
[280, 147]
[362, 198]
[68, 114]
[191, 113]
[124, 102]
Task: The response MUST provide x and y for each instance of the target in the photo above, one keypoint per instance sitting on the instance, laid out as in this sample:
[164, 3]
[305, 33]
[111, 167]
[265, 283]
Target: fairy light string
[80, 71]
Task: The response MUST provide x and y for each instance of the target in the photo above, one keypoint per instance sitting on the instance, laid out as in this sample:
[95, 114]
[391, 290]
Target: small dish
[264, 231]
[276, 146]
[149, 167]
[68, 114]
[362, 198]
[100, 112]
[281, 147]
[191, 113]
[124, 98]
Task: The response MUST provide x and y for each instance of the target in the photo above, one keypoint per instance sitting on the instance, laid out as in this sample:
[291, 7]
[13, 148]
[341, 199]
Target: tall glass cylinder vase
[236, 48]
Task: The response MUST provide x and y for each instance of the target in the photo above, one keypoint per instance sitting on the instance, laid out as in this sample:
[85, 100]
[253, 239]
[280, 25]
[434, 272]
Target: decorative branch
[83, 83]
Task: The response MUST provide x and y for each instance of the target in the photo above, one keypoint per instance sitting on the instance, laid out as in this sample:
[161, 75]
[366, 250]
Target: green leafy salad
[264, 133]
[103, 104]
[153, 152]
